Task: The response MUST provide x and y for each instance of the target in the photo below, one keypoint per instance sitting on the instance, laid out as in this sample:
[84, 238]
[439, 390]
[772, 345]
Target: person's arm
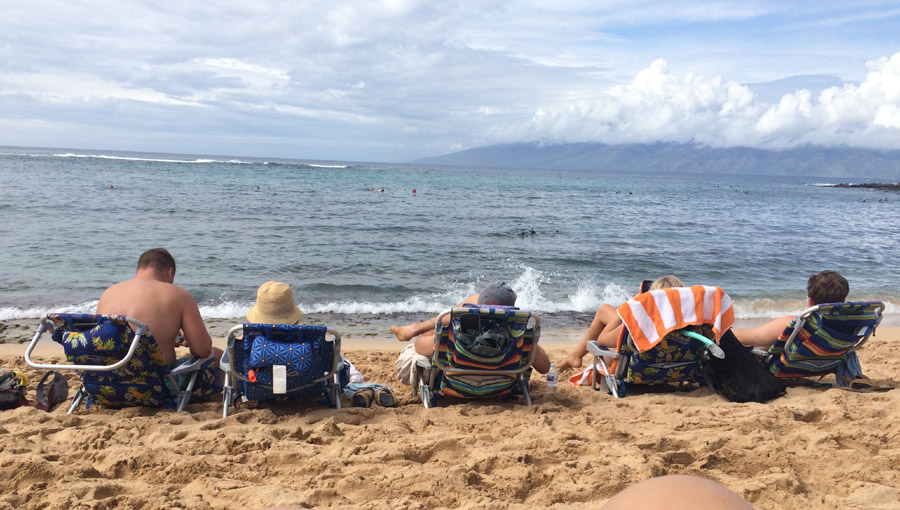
[763, 336]
[541, 361]
[195, 335]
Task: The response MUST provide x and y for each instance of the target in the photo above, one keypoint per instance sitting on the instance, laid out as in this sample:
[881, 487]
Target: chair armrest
[190, 365]
[598, 350]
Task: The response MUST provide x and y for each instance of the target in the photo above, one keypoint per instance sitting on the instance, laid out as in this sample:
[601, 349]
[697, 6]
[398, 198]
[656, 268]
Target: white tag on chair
[279, 379]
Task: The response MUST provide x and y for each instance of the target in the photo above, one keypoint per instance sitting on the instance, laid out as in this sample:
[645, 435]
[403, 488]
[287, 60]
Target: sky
[395, 80]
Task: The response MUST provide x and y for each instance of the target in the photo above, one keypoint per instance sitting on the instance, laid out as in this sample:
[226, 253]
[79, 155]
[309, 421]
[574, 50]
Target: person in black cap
[495, 293]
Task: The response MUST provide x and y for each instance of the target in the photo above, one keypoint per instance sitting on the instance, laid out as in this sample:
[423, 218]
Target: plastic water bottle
[552, 377]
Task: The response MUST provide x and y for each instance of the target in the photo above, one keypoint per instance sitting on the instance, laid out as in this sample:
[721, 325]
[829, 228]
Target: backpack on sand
[740, 376]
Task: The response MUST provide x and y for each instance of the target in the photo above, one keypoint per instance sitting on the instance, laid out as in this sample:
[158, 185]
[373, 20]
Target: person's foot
[400, 333]
[570, 361]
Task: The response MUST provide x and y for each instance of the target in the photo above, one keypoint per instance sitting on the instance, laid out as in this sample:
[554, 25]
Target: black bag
[741, 376]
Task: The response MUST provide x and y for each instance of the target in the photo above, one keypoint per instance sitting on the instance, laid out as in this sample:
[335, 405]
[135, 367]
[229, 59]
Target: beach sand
[815, 448]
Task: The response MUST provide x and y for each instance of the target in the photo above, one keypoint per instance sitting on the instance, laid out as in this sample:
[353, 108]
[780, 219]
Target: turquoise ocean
[75, 221]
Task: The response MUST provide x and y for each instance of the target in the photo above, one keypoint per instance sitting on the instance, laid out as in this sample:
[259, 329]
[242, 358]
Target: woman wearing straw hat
[275, 305]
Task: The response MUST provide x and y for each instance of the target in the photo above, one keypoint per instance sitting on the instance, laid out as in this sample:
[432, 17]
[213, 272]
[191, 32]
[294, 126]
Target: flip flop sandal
[385, 397]
[49, 395]
[863, 384]
[363, 397]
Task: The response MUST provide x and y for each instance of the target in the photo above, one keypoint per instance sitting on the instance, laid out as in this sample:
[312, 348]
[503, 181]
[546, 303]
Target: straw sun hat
[274, 305]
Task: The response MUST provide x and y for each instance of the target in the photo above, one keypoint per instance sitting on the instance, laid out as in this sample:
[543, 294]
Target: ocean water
[433, 236]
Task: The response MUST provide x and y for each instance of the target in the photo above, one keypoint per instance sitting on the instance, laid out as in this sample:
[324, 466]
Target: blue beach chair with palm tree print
[120, 362]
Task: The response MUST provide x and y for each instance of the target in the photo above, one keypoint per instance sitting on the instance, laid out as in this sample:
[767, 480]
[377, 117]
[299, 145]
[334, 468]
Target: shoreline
[372, 333]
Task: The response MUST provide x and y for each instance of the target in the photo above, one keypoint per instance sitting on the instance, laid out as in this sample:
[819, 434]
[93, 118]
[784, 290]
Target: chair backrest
[653, 337]
[309, 358]
[676, 358]
[819, 339]
[484, 349]
[96, 340]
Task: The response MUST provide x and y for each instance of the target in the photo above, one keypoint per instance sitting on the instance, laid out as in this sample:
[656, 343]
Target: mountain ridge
[808, 161]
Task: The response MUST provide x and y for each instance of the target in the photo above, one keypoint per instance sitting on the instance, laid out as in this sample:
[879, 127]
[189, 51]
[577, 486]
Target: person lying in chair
[168, 310]
[497, 293]
[606, 326]
[823, 287]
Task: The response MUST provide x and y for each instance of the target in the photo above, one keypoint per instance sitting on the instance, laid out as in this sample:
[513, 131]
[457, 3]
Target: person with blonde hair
[606, 325]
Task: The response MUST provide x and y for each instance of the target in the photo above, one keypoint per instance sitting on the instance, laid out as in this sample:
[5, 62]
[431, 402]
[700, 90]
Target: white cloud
[399, 79]
[659, 105]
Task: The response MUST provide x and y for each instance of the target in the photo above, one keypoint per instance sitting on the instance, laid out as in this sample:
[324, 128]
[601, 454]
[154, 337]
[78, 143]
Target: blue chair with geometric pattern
[267, 362]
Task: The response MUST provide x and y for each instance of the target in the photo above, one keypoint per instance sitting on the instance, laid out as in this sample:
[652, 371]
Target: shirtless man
[822, 287]
[166, 309]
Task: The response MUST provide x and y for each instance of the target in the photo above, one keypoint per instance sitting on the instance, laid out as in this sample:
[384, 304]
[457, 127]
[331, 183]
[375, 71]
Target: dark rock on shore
[871, 185]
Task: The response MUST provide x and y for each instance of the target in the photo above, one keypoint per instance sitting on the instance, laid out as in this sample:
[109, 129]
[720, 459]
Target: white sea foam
[14, 313]
[585, 299]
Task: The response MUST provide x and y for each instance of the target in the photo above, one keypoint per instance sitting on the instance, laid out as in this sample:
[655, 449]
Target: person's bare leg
[606, 316]
[763, 336]
[410, 331]
[425, 344]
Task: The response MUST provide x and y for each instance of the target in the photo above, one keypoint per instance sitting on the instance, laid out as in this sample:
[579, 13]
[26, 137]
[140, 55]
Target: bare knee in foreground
[677, 492]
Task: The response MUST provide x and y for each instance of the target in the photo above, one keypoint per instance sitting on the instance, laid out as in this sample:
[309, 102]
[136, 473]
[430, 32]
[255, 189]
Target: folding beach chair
[823, 338]
[485, 351]
[667, 334]
[119, 361]
[280, 361]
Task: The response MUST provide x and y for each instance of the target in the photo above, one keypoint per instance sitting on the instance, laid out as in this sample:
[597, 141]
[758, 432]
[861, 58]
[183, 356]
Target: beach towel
[650, 316]
[406, 365]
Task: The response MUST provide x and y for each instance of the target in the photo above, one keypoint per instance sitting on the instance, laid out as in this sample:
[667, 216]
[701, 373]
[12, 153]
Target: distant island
[808, 161]
[871, 185]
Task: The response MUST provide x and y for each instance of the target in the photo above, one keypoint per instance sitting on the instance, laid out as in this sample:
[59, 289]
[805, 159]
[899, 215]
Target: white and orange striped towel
[652, 315]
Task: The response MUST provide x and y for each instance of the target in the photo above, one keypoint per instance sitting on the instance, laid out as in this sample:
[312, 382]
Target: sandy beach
[815, 448]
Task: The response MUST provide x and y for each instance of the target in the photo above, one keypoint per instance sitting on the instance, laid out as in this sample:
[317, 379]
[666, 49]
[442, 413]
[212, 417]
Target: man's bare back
[151, 298]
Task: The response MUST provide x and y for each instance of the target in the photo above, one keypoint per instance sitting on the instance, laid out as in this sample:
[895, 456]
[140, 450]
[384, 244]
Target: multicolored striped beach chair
[279, 361]
[485, 351]
[666, 335]
[821, 338]
[120, 363]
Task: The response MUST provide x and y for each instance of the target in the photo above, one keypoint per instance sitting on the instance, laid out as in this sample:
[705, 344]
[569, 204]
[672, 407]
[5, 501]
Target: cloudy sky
[394, 80]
